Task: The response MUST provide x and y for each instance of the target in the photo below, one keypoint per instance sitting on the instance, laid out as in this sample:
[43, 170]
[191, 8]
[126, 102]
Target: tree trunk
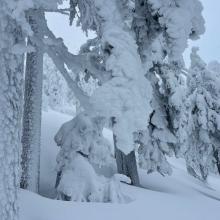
[126, 164]
[32, 111]
[217, 158]
[11, 72]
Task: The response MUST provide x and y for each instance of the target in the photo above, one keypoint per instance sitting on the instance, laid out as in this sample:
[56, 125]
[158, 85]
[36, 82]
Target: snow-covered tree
[123, 94]
[203, 124]
[161, 35]
[32, 107]
[56, 93]
[12, 48]
[14, 28]
[125, 97]
[31, 131]
[83, 146]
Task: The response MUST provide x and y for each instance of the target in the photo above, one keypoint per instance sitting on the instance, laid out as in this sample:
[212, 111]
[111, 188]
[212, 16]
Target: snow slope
[179, 196]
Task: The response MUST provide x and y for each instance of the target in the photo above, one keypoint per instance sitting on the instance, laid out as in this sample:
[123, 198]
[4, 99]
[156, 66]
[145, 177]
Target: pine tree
[161, 44]
[125, 95]
[114, 99]
[56, 94]
[203, 124]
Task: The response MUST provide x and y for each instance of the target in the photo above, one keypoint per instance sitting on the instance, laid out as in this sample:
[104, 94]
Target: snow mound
[179, 196]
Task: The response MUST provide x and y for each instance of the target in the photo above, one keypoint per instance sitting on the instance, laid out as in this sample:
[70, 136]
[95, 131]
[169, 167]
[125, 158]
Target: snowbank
[179, 196]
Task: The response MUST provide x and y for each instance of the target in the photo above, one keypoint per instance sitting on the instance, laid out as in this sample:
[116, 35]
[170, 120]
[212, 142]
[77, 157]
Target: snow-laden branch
[76, 63]
[65, 11]
[80, 95]
[69, 65]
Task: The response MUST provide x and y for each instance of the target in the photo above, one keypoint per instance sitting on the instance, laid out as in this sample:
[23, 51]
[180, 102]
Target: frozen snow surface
[176, 197]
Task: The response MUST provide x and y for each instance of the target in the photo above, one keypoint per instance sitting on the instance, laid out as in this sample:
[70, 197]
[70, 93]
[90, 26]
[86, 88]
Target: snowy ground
[179, 197]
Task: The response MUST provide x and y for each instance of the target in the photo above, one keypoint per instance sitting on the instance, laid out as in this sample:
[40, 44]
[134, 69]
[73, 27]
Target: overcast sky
[209, 43]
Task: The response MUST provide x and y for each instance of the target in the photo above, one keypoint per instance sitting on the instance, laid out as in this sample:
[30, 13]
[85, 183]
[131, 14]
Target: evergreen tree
[161, 44]
[56, 93]
[203, 124]
[122, 95]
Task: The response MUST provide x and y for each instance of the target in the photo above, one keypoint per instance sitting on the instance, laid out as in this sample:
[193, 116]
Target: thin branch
[59, 53]
[65, 11]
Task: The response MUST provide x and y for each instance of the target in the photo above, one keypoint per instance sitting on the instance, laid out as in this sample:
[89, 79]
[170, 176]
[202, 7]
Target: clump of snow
[182, 19]
[82, 145]
[80, 182]
[126, 96]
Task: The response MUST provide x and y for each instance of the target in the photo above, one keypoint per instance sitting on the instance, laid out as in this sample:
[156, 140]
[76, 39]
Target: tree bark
[217, 158]
[126, 164]
[32, 110]
[11, 87]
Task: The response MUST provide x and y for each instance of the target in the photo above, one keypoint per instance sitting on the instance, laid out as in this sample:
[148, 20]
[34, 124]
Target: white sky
[209, 43]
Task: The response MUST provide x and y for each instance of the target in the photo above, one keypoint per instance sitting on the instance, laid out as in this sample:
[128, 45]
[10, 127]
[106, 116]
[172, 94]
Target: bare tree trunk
[126, 164]
[32, 110]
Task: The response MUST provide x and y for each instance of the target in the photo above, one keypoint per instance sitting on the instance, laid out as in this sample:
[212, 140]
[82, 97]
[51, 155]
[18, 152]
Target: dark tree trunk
[126, 164]
[216, 156]
[61, 196]
[203, 172]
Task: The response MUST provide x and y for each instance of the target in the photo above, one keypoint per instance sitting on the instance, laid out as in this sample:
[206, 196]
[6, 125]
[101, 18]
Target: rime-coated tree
[56, 94]
[33, 93]
[203, 124]
[31, 132]
[214, 81]
[161, 35]
[82, 146]
[11, 71]
[122, 97]
[125, 96]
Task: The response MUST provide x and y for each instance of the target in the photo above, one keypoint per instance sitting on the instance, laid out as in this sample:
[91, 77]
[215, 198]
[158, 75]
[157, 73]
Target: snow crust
[179, 196]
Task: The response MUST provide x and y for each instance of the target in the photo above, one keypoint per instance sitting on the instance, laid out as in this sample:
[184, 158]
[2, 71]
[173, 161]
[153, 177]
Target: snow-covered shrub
[82, 145]
[79, 182]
